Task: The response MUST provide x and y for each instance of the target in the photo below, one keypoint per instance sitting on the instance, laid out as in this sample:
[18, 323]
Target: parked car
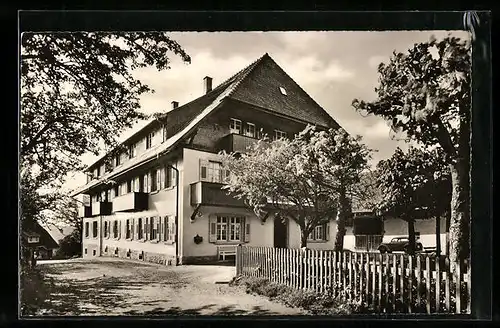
[399, 244]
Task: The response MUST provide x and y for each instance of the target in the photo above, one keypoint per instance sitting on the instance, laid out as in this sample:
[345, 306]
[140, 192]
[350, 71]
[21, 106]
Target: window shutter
[149, 182]
[247, 231]
[173, 177]
[212, 229]
[162, 178]
[132, 229]
[119, 229]
[146, 229]
[160, 229]
[137, 187]
[327, 232]
[158, 179]
[203, 169]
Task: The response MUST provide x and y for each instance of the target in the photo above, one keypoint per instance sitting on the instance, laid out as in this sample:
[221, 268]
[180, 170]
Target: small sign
[86, 200]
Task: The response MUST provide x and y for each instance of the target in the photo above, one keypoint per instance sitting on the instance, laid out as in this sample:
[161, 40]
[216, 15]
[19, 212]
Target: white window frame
[319, 233]
[248, 131]
[149, 140]
[278, 134]
[87, 229]
[115, 229]
[132, 150]
[95, 229]
[235, 126]
[226, 227]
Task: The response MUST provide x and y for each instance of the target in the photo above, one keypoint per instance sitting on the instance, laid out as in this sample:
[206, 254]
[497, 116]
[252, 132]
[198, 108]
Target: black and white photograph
[247, 173]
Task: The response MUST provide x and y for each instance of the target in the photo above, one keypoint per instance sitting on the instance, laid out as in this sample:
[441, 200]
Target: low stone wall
[162, 259]
[199, 259]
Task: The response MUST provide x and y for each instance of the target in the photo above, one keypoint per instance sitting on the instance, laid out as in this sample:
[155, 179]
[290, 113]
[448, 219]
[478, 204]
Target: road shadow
[229, 310]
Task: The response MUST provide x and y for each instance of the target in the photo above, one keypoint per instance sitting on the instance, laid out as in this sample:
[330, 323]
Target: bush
[70, 246]
[33, 290]
[315, 303]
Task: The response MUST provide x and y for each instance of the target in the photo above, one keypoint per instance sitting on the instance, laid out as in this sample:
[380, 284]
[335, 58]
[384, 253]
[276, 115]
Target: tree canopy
[414, 184]
[425, 94]
[304, 179]
[78, 90]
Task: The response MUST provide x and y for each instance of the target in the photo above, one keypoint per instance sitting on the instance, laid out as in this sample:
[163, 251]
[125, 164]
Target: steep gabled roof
[255, 84]
[46, 239]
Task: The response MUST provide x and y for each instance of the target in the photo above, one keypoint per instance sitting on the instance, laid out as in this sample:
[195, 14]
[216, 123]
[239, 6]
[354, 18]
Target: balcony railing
[84, 211]
[210, 193]
[236, 143]
[101, 208]
[131, 202]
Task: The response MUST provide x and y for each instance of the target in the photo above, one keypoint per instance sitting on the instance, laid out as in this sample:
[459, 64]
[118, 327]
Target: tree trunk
[447, 226]
[411, 236]
[341, 222]
[303, 238]
[459, 214]
[438, 235]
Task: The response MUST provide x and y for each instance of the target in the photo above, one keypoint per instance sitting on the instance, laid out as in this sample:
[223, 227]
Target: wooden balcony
[236, 143]
[211, 194]
[131, 202]
[101, 208]
[84, 211]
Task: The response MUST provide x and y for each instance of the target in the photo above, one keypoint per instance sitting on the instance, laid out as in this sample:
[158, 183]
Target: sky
[333, 67]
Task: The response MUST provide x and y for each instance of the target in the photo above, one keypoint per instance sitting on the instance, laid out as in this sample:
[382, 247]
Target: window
[129, 186]
[235, 126]
[128, 233]
[132, 151]
[283, 91]
[279, 134]
[153, 229]
[149, 140]
[136, 184]
[86, 229]
[212, 171]
[164, 132]
[234, 229]
[170, 178]
[106, 229]
[94, 229]
[115, 229]
[154, 181]
[108, 195]
[117, 160]
[320, 233]
[140, 233]
[104, 196]
[250, 130]
[228, 229]
[146, 186]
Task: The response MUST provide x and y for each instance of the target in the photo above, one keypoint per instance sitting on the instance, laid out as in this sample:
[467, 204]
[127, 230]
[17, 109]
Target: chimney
[175, 104]
[207, 83]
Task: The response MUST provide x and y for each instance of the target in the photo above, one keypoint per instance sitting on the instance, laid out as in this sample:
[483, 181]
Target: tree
[339, 160]
[309, 178]
[414, 184]
[425, 94]
[70, 245]
[78, 90]
[267, 178]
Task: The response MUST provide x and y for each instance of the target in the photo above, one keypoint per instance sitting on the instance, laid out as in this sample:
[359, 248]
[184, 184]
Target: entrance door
[280, 233]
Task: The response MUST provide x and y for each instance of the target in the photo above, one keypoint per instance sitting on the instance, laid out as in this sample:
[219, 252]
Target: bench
[226, 250]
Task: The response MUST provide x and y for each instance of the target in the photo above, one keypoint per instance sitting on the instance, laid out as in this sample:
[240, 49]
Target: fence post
[428, 283]
[458, 288]
[366, 277]
[374, 277]
[380, 265]
[335, 270]
[402, 280]
[394, 279]
[238, 260]
[356, 276]
[410, 286]
[438, 283]
[419, 280]
[387, 271]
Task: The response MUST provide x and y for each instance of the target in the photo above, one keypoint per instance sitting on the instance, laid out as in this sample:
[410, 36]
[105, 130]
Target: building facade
[158, 196]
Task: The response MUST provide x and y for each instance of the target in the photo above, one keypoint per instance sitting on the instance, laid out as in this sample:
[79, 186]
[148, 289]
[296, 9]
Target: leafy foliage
[414, 182]
[70, 245]
[77, 89]
[425, 94]
[306, 179]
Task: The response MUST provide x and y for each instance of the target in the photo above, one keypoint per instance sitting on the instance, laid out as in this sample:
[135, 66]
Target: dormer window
[235, 126]
[283, 91]
[149, 140]
[164, 132]
[117, 160]
[132, 151]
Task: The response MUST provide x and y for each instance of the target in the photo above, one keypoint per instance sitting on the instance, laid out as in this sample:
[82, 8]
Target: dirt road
[108, 286]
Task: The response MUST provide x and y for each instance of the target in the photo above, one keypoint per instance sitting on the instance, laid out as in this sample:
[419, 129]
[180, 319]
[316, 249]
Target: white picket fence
[393, 283]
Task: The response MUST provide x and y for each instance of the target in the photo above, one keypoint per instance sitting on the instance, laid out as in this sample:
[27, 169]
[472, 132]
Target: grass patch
[314, 303]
